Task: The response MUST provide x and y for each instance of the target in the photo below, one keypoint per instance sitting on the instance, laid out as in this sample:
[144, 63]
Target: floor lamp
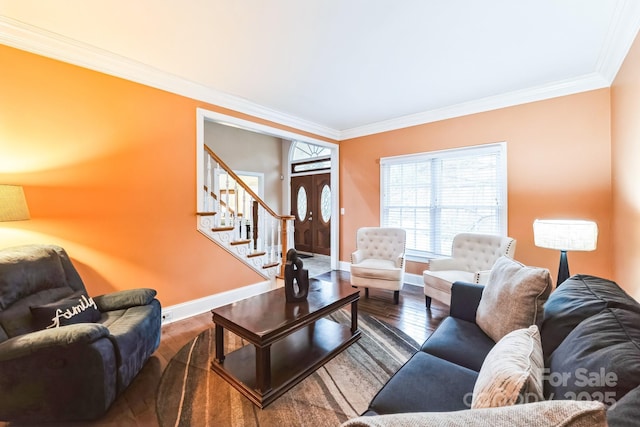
[565, 235]
[13, 204]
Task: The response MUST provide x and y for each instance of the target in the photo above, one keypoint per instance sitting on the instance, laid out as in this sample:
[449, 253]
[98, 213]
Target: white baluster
[235, 196]
[273, 240]
[245, 214]
[279, 246]
[264, 233]
[218, 192]
[227, 214]
[209, 200]
[251, 222]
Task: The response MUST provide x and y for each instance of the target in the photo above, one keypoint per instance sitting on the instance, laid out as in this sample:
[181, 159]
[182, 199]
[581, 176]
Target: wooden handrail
[237, 179]
[282, 218]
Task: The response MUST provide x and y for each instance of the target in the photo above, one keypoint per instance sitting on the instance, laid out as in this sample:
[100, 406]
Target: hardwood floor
[136, 406]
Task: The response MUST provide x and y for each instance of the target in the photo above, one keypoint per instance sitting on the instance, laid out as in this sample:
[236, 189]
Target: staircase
[236, 218]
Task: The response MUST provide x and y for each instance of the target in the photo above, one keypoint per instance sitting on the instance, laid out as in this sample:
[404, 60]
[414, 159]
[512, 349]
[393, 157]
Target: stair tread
[223, 228]
[240, 242]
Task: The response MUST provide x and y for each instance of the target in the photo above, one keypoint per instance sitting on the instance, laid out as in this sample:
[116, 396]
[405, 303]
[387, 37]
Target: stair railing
[235, 206]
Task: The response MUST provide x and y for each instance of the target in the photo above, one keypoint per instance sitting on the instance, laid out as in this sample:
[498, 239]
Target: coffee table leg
[219, 344]
[354, 316]
[263, 369]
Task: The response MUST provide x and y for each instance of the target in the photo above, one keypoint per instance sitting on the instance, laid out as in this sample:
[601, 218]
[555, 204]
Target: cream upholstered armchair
[378, 261]
[472, 257]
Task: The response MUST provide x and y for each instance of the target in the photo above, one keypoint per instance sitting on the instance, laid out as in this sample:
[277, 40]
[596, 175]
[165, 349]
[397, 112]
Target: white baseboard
[173, 313]
[183, 310]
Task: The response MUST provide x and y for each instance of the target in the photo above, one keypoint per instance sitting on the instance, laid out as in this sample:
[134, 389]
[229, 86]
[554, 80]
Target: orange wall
[625, 135]
[558, 165]
[109, 173]
[108, 167]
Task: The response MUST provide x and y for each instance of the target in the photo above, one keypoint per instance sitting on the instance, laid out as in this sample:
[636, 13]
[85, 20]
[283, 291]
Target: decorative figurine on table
[296, 279]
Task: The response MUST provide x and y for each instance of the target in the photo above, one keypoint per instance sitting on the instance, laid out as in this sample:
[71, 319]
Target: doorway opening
[311, 204]
[288, 138]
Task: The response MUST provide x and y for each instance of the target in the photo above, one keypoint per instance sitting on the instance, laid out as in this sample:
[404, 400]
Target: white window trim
[425, 256]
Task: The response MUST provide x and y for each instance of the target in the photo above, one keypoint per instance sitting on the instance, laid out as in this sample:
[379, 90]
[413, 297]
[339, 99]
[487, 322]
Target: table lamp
[565, 235]
[13, 204]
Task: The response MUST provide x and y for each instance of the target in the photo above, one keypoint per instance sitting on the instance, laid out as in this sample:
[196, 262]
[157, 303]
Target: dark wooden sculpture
[296, 278]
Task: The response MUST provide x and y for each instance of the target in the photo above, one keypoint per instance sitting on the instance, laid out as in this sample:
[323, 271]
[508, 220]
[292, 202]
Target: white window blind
[436, 195]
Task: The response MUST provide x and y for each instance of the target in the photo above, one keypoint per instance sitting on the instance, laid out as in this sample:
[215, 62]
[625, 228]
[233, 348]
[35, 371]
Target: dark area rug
[190, 394]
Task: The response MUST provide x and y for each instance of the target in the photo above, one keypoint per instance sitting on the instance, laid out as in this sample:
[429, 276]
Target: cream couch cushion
[513, 298]
[378, 261]
[377, 268]
[472, 257]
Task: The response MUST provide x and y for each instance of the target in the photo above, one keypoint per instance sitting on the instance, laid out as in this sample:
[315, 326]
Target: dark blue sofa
[591, 342]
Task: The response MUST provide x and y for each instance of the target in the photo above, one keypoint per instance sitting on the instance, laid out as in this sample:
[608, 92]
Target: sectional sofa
[590, 338]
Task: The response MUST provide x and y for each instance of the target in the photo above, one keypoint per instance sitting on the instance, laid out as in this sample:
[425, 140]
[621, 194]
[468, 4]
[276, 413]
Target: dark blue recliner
[71, 372]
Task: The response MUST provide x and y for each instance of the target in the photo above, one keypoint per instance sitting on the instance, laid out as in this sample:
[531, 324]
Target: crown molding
[622, 32]
[32, 39]
[568, 87]
[624, 28]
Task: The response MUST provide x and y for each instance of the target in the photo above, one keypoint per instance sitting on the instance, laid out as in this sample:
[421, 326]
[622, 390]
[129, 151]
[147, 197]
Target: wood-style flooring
[137, 405]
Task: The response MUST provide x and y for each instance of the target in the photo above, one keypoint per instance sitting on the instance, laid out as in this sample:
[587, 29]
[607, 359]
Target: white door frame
[203, 115]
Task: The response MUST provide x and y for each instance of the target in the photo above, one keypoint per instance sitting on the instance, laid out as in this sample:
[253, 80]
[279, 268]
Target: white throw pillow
[512, 371]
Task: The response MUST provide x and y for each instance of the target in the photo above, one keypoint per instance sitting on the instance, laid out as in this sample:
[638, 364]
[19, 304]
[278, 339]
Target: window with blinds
[436, 195]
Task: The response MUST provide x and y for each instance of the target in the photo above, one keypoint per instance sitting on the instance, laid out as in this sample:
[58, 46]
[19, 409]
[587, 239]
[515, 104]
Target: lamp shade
[565, 234]
[13, 204]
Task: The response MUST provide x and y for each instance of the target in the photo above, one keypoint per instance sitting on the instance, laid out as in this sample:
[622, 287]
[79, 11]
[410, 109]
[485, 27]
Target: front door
[311, 206]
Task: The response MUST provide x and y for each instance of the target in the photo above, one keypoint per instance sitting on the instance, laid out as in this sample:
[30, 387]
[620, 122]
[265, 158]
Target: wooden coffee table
[290, 340]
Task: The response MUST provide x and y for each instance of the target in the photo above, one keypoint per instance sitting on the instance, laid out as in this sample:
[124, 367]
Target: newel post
[284, 241]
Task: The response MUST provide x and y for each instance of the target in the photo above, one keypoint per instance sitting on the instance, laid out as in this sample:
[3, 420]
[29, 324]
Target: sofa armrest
[62, 374]
[465, 298]
[125, 299]
[400, 261]
[42, 341]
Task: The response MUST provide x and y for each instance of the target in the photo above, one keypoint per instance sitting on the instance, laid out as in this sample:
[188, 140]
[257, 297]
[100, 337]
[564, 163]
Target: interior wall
[625, 131]
[558, 166]
[109, 171]
[247, 151]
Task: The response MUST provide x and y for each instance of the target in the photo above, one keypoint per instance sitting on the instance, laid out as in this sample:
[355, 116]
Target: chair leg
[427, 301]
[396, 297]
[366, 292]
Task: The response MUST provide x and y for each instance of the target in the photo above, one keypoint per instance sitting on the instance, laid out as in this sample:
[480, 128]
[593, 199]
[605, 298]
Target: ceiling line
[36, 40]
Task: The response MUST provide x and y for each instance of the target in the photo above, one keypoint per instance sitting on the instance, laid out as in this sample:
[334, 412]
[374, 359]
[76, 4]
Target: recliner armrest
[125, 299]
[63, 336]
[465, 298]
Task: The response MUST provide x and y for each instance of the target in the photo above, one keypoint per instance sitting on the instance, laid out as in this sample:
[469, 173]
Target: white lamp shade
[13, 204]
[565, 234]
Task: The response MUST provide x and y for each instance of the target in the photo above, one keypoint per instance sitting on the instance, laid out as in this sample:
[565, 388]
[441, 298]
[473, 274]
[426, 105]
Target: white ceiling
[340, 68]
